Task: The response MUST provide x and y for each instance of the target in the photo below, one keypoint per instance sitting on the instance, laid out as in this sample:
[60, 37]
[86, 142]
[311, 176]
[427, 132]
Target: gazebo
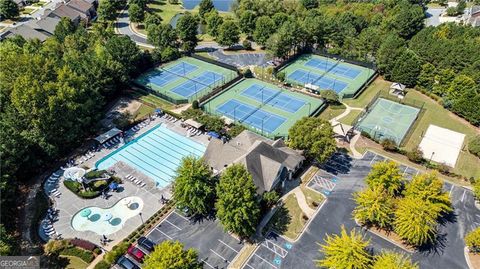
[193, 123]
[398, 89]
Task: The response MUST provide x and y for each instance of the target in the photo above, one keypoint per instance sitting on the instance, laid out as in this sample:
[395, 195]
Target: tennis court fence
[384, 94]
[344, 59]
[166, 97]
[218, 90]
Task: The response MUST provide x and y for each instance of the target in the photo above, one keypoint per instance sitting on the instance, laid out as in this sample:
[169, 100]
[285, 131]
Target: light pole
[262, 123]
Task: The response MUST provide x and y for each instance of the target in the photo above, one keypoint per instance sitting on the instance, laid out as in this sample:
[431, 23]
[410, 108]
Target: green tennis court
[327, 74]
[388, 119]
[263, 107]
[185, 79]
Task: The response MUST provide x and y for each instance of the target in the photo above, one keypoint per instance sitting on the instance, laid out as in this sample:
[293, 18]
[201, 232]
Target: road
[122, 26]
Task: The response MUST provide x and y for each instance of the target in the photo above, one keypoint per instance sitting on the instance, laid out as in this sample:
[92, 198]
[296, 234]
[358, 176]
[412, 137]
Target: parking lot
[215, 247]
[340, 177]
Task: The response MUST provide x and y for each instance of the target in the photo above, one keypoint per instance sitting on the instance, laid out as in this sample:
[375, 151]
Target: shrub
[444, 169]
[474, 146]
[389, 144]
[416, 155]
[102, 265]
[248, 73]
[476, 189]
[86, 256]
[116, 179]
[99, 185]
[247, 44]
[73, 186]
[116, 252]
[281, 76]
[55, 246]
[270, 198]
[304, 217]
[87, 245]
[235, 130]
[330, 96]
[95, 174]
[195, 104]
[472, 240]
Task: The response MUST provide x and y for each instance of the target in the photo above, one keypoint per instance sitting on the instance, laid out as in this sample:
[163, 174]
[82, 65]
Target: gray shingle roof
[264, 159]
[26, 32]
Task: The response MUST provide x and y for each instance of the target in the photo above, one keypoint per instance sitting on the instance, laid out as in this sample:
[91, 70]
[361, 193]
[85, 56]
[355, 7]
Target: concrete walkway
[340, 127]
[302, 202]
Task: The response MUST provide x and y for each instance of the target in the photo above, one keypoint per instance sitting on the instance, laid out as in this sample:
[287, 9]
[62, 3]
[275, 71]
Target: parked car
[146, 243]
[136, 253]
[126, 263]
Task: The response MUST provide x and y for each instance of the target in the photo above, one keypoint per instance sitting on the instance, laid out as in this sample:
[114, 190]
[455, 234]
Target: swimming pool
[156, 153]
[105, 221]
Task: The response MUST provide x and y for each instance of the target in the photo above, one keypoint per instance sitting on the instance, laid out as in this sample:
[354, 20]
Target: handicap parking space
[323, 182]
[216, 248]
[270, 253]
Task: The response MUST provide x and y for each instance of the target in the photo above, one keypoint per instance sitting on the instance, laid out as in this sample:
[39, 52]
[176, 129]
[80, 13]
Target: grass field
[75, 262]
[164, 9]
[467, 164]
[142, 111]
[277, 105]
[331, 112]
[312, 197]
[288, 220]
[348, 119]
[27, 10]
[151, 99]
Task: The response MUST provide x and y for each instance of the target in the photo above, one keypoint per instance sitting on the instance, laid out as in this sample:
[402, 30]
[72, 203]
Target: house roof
[80, 5]
[397, 86]
[46, 24]
[264, 159]
[26, 32]
[193, 123]
[62, 10]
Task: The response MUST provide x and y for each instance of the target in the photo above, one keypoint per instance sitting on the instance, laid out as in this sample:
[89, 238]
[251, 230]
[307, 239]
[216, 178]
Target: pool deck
[69, 204]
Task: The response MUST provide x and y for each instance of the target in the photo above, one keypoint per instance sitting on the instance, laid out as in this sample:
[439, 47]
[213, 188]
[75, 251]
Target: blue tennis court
[161, 78]
[334, 67]
[323, 82]
[182, 68]
[253, 116]
[198, 83]
[273, 97]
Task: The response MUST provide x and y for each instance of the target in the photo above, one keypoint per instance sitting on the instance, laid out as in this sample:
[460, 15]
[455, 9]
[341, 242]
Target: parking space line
[181, 216]
[283, 252]
[166, 220]
[249, 265]
[207, 263]
[169, 237]
[223, 258]
[450, 193]
[375, 156]
[265, 260]
[463, 196]
[227, 246]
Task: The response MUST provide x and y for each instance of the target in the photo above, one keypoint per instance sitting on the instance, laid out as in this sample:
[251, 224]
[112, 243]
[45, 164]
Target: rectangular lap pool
[156, 153]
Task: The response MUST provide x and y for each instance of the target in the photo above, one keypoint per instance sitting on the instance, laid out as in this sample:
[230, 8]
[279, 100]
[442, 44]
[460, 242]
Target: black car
[146, 243]
[127, 263]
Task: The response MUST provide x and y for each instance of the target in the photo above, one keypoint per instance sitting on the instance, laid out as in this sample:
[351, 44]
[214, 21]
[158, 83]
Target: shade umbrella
[86, 212]
[213, 134]
[113, 185]
[107, 216]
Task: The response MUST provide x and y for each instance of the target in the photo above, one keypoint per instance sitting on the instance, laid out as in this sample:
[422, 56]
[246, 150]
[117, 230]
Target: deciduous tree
[374, 207]
[386, 175]
[172, 255]
[345, 251]
[428, 187]
[393, 260]
[228, 34]
[8, 9]
[237, 206]
[193, 187]
[187, 27]
[472, 240]
[214, 21]
[136, 13]
[264, 28]
[315, 136]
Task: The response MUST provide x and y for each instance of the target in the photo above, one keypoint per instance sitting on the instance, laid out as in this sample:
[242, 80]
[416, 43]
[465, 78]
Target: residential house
[472, 16]
[269, 162]
[26, 32]
[85, 8]
[61, 11]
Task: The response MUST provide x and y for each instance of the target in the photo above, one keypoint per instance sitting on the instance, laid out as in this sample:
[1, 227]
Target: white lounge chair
[142, 184]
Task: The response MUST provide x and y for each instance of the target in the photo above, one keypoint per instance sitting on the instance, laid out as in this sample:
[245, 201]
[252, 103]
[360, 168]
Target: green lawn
[312, 197]
[164, 9]
[75, 262]
[332, 111]
[152, 99]
[348, 119]
[368, 94]
[27, 10]
[142, 111]
[288, 220]
[39, 4]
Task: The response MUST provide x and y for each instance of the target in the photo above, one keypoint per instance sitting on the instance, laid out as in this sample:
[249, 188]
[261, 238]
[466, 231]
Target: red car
[136, 253]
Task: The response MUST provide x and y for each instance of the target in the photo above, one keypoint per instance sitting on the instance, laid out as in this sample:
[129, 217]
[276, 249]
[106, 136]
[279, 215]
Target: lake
[220, 5]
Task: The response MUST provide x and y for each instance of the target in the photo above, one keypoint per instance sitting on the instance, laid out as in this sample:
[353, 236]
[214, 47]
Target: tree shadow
[280, 220]
[447, 218]
[53, 262]
[436, 247]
